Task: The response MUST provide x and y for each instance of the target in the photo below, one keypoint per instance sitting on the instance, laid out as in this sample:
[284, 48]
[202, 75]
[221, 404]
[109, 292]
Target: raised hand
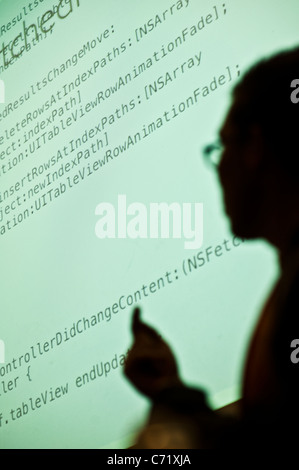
[150, 365]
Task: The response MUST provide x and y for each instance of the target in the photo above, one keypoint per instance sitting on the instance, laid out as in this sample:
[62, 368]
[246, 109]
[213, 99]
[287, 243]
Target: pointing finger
[141, 328]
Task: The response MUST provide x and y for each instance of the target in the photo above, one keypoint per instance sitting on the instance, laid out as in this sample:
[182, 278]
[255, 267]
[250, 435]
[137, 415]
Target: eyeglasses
[212, 153]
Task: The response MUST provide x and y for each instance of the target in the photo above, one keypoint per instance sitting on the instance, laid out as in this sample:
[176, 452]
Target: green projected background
[105, 99]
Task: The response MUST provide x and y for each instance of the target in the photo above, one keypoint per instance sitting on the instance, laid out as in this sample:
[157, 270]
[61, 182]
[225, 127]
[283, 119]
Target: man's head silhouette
[259, 168]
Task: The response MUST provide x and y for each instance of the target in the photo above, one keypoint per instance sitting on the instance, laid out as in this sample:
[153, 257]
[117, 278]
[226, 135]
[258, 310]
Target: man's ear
[254, 155]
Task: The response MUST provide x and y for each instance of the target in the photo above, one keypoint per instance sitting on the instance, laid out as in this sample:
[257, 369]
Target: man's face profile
[240, 175]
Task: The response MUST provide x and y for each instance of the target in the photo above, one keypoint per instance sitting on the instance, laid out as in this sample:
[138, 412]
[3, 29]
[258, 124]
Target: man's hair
[264, 98]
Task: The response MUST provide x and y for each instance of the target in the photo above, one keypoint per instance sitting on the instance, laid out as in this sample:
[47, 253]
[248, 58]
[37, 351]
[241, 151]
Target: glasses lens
[212, 153]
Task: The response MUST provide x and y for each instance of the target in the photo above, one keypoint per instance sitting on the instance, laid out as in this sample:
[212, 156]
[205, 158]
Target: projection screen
[105, 109]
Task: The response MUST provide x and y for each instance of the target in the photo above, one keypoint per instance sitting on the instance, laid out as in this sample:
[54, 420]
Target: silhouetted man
[259, 174]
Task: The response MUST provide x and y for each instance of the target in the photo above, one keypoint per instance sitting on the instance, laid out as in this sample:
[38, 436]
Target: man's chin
[241, 224]
[243, 229]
